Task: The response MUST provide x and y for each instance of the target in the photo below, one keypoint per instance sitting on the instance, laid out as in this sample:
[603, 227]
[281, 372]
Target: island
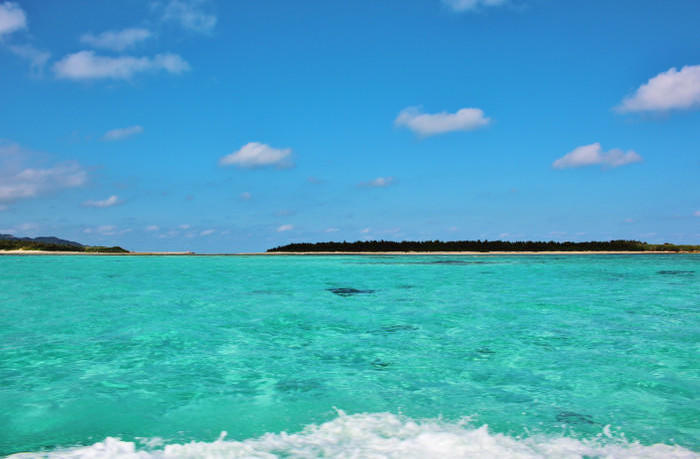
[479, 246]
[9, 242]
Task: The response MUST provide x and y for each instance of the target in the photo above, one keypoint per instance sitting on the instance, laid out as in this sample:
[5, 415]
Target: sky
[231, 126]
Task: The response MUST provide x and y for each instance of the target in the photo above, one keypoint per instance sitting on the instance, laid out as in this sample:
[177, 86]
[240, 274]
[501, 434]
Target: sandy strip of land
[465, 253]
[47, 252]
[41, 252]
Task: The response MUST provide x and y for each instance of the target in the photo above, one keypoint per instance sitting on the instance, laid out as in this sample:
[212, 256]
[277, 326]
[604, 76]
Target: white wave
[379, 435]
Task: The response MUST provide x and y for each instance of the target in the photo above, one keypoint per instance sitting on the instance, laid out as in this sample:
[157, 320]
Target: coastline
[589, 252]
[48, 252]
[258, 254]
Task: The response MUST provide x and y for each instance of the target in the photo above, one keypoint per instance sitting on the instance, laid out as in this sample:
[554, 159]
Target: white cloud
[151, 228]
[332, 230]
[365, 231]
[255, 154]
[12, 18]
[169, 234]
[470, 5]
[207, 232]
[85, 65]
[426, 124]
[105, 230]
[36, 57]
[30, 183]
[379, 182]
[117, 40]
[185, 227]
[668, 90]
[24, 228]
[246, 195]
[697, 213]
[283, 228]
[593, 154]
[18, 181]
[109, 202]
[189, 15]
[122, 133]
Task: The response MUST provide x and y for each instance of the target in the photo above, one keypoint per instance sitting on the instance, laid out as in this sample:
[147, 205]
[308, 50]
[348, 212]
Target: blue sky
[237, 126]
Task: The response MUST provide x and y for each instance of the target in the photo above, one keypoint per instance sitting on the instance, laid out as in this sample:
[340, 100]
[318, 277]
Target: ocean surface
[350, 356]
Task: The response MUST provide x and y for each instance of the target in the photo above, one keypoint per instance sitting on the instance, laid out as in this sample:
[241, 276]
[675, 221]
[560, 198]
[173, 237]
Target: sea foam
[378, 435]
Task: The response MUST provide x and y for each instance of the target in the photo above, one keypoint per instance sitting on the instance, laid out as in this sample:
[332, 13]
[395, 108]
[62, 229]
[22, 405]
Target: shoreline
[49, 252]
[578, 252]
[259, 254]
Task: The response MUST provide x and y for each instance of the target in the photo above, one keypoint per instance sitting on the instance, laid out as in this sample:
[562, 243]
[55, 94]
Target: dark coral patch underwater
[344, 291]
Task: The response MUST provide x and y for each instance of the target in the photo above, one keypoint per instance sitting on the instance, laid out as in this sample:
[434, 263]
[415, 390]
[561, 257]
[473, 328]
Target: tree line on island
[52, 244]
[483, 246]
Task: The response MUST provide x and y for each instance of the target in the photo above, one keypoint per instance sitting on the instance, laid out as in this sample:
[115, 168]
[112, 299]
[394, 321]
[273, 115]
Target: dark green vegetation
[103, 249]
[52, 244]
[483, 246]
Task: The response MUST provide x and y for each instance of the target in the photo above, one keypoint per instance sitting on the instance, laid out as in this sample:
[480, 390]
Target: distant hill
[52, 244]
[483, 246]
[42, 239]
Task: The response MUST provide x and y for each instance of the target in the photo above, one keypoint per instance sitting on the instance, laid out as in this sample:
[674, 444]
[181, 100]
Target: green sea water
[372, 356]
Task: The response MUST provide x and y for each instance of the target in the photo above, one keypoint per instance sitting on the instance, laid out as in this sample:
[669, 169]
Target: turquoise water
[556, 355]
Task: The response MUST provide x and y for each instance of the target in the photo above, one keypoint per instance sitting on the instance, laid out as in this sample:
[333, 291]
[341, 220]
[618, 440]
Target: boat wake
[377, 435]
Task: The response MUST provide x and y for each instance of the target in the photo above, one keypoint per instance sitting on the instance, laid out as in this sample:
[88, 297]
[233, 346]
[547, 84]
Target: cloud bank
[255, 154]
[122, 133]
[593, 154]
[669, 90]
[116, 40]
[85, 65]
[427, 124]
